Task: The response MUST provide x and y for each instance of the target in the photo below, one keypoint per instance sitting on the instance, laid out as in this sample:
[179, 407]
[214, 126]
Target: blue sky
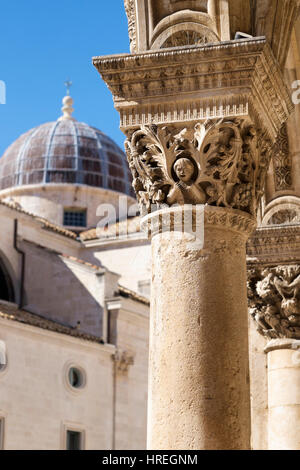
[42, 43]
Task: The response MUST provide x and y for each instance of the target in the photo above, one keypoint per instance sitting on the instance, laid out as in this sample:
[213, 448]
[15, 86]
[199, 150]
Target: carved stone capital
[274, 300]
[123, 359]
[221, 163]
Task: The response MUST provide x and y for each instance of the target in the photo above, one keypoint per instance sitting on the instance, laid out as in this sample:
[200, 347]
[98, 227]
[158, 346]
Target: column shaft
[198, 382]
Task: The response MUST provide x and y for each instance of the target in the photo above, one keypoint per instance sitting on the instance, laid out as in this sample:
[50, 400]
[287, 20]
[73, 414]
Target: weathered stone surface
[284, 394]
[198, 383]
[156, 24]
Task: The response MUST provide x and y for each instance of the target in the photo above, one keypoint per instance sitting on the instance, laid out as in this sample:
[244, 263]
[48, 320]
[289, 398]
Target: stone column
[200, 123]
[275, 306]
[198, 377]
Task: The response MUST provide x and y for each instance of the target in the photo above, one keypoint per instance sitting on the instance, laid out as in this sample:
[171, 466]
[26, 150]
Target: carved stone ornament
[274, 300]
[130, 12]
[285, 217]
[123, 359]
[273, 245]
[221, 163]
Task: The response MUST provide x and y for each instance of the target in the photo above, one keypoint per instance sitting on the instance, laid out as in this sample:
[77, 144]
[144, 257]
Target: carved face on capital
[184, 170]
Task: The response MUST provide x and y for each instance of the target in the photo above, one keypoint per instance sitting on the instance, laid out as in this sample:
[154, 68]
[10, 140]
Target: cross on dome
[68, 85]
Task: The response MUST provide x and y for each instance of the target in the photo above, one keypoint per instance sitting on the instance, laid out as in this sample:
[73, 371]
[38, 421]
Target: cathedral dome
[65, 151]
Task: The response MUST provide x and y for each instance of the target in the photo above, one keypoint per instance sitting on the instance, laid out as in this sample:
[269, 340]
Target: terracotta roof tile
[124, 227]
[124, 292]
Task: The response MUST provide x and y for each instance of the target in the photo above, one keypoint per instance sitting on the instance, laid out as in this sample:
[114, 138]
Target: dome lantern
[67, 109]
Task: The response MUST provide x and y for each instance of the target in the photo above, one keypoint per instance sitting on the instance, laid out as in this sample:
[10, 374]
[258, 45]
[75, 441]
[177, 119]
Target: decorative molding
[282, 343]
[273, 245]
[274, 300]
[221, 163]
[283, 210]
[131, 16]
[282, 161]
[184, 33]
[185, 219]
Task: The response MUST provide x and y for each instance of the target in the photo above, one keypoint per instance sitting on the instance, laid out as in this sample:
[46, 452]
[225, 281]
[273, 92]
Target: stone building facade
[74, 328]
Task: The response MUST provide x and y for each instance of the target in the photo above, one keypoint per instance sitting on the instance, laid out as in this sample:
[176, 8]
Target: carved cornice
[219, 163]
[274, 300]
[236, 78]
[274, 245]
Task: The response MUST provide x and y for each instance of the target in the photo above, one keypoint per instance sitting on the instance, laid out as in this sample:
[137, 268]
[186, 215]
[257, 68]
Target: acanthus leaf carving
[274, 300]
[221, 163]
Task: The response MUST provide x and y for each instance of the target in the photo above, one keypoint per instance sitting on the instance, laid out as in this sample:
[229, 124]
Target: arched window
[6, 286]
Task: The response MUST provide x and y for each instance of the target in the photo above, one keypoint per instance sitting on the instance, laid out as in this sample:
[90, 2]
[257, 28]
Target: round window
[76, 377]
